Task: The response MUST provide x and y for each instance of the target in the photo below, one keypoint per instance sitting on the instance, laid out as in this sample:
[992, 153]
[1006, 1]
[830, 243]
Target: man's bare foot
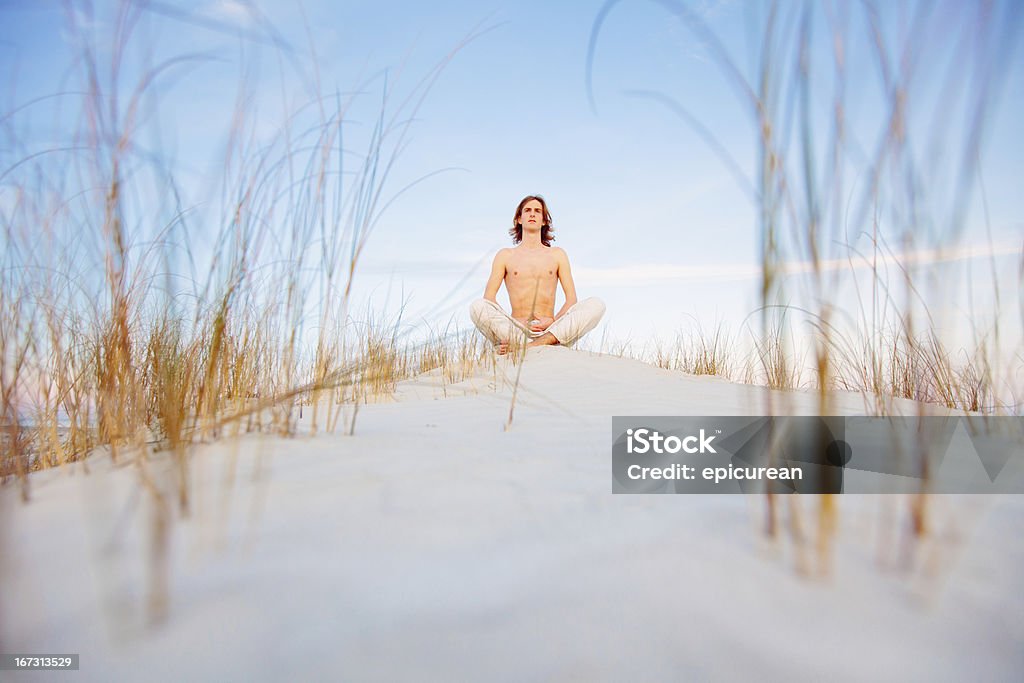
[546, 339]
[501, 347]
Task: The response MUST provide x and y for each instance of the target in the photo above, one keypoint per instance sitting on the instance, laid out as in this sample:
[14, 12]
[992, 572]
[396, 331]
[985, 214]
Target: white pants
[498, 326]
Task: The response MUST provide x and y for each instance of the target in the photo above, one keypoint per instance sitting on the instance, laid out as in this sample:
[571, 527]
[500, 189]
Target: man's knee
[478, 311]
[594, 307]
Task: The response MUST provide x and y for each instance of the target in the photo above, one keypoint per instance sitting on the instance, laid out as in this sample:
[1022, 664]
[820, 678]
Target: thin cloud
[230, 10]
[641, 274]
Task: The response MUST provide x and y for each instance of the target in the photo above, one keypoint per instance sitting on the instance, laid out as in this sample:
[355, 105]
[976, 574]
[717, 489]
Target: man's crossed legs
[502, 329]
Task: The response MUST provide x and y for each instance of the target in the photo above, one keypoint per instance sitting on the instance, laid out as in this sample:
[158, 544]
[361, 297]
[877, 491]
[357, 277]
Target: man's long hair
[546, 231]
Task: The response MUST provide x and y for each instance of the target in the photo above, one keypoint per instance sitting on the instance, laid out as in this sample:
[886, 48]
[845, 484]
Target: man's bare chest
[531, 267]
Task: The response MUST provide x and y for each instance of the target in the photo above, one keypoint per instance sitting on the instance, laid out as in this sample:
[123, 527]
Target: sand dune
[435, 545]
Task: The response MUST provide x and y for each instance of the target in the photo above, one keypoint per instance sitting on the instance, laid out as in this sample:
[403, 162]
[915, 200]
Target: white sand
[433, 545]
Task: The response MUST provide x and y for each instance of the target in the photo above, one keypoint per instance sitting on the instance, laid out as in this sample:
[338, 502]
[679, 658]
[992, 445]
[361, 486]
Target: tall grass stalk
[517, 351]
[146, 311]
[821, 181]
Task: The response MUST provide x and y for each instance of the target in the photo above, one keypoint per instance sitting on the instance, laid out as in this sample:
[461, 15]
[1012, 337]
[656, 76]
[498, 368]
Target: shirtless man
[530, 272]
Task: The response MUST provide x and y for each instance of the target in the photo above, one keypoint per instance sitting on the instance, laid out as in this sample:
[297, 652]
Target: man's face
[532, 216]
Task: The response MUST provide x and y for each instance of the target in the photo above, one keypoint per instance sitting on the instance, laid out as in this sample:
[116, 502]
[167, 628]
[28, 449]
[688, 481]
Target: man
[530, 272]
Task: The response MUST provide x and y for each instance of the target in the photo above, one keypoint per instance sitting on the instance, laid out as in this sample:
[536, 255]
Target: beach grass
[823, 179]
[121, 361]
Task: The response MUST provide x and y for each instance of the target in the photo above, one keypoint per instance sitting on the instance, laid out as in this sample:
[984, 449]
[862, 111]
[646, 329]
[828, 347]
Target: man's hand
[540, 324]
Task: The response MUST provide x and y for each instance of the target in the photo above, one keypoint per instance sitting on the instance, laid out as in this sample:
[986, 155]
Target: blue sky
[653, 221]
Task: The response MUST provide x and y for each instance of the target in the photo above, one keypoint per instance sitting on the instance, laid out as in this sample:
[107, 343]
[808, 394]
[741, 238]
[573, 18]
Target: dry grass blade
[517, 351]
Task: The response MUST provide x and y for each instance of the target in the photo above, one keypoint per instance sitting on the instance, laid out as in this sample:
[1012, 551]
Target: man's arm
[568, 286]
[496, 278]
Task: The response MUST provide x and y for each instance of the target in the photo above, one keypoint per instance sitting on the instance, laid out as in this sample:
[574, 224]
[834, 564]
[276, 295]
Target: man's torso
[530, 272]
